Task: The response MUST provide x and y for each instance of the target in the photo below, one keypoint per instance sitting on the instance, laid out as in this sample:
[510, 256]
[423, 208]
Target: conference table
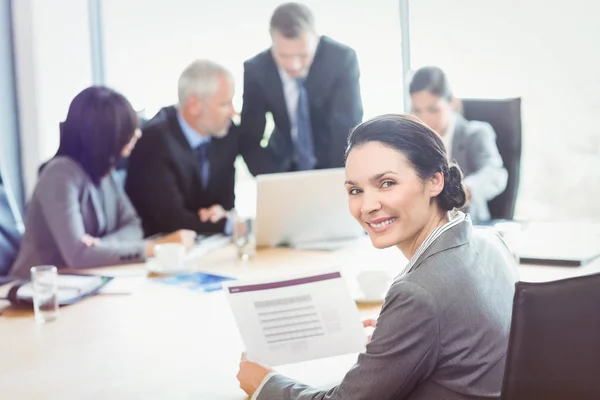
[168, 342]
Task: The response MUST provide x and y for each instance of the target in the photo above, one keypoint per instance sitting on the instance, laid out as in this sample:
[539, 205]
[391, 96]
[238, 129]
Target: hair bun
[453, 196]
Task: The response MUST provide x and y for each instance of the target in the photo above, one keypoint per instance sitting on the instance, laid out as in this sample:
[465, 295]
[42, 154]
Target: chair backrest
[11, 228]
[505, 117]
[554, 345]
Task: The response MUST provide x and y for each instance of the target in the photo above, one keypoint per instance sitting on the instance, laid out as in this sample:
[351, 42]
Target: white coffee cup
[374, 283]
[170, 256]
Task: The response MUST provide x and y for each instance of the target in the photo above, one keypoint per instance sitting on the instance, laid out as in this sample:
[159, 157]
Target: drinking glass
[44, 280]
[243, 236]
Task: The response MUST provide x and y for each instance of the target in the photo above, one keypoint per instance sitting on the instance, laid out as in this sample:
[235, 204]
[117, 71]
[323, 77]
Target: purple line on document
[280, 284]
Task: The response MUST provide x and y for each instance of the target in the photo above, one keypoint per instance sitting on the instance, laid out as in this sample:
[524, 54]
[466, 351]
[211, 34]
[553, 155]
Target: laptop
[571, 256]
[556, 247]
[304, 209]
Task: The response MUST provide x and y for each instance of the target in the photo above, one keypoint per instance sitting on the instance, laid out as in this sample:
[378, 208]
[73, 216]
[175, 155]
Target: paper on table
[297, 319]
[123, 284]
[208, 244]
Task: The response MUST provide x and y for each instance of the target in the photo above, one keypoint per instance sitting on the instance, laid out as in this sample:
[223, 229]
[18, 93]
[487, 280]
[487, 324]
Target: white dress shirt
[290, 93]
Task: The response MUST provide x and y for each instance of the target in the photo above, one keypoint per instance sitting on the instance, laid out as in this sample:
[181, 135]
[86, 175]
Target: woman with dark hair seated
[471, 144]
[443, 329]
[79, 215]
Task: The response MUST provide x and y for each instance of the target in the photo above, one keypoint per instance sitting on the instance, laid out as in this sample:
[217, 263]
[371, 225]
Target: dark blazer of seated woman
[79, 216]
[443, 329]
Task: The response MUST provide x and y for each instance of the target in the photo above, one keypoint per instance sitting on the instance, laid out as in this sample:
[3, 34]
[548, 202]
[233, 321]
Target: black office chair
[11, 229]
[554, 345]
[505, 117]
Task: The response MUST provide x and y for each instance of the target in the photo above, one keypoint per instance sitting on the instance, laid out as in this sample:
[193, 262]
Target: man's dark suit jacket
[163, 178]
[335, 103]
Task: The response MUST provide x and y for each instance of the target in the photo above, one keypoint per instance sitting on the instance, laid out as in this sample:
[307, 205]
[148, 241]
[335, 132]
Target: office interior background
[540, 51]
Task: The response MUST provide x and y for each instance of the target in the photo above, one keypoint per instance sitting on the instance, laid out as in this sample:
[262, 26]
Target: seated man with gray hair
[181, 174]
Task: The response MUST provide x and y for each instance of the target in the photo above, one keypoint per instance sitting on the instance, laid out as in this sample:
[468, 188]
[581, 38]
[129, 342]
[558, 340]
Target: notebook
[71, 289]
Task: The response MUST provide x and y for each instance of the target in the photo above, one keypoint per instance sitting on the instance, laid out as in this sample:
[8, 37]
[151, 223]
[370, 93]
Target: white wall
[545, 52]
[53, 64]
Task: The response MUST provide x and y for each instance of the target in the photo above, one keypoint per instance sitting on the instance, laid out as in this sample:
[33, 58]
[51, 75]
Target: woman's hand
[90, 241]
[369, 323]
[183, 236]
[251, 375]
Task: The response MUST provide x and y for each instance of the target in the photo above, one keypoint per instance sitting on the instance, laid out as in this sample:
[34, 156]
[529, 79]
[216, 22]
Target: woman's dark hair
[432, 80]
[421, 146]
[99, 124]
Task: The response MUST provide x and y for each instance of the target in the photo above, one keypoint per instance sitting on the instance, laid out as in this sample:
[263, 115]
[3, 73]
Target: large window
[10, 160]
[543, 52]
[52, 57]
[147, 44]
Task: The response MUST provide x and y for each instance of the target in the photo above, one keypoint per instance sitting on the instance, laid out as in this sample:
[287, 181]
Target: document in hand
[296, 319]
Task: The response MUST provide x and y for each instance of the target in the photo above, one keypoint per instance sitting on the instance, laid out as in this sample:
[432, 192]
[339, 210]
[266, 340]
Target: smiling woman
[443, 329]
[399, 181]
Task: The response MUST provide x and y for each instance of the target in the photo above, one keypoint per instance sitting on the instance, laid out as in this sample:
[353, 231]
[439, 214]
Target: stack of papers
[208, 244]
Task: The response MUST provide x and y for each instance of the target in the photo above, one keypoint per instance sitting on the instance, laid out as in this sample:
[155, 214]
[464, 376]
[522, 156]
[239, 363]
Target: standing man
[310, 85]
[181, 174]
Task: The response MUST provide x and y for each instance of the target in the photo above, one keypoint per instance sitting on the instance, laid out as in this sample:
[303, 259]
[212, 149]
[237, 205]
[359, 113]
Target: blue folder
[197, 281]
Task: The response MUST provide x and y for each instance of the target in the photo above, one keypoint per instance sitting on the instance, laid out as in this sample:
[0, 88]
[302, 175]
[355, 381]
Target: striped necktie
[201, 155]
[304, 140]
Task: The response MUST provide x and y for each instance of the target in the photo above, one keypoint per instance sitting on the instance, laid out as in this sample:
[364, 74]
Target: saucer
[154, 267]
[360, 298]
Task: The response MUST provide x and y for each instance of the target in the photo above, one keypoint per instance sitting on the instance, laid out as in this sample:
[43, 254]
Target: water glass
[44, 280]
[243, 236]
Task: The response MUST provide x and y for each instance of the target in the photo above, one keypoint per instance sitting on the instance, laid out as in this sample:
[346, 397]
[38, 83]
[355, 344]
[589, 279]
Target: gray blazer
[474, 150]
[442, 332]
[66, 205]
